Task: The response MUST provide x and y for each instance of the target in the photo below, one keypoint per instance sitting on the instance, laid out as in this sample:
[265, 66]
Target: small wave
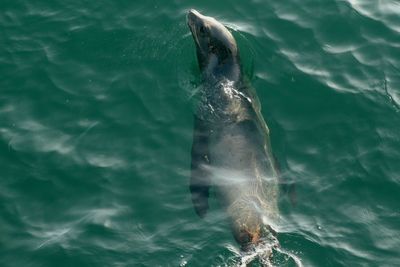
[32, 135]
[386, 12]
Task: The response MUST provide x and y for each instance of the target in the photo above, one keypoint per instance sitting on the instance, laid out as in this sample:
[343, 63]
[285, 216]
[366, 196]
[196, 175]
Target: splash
[267, 254]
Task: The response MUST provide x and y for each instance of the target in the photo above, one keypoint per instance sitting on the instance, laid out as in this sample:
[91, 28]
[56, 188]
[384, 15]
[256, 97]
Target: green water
[96, 122]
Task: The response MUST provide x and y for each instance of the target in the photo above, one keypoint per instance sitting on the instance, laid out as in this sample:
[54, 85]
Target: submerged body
[231, 149]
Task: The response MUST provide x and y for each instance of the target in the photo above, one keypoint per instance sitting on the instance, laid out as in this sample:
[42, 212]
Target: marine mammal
[231, 148]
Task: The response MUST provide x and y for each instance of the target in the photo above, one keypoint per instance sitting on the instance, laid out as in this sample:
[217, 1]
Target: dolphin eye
[202, 30]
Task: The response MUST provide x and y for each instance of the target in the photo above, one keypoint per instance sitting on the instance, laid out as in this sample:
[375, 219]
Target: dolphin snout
[193, 15]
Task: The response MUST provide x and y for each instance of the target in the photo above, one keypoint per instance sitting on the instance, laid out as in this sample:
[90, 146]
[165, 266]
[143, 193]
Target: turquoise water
[96, 123]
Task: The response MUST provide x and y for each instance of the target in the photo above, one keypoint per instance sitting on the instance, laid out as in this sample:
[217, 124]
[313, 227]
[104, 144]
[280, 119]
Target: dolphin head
[215, 45]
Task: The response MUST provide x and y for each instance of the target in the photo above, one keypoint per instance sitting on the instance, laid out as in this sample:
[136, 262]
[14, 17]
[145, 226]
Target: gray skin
[231, 148]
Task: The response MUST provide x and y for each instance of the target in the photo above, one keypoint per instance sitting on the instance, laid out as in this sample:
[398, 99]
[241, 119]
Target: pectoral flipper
[200, 176]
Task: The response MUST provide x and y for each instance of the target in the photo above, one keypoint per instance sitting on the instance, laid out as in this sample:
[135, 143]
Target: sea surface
[96, 121]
